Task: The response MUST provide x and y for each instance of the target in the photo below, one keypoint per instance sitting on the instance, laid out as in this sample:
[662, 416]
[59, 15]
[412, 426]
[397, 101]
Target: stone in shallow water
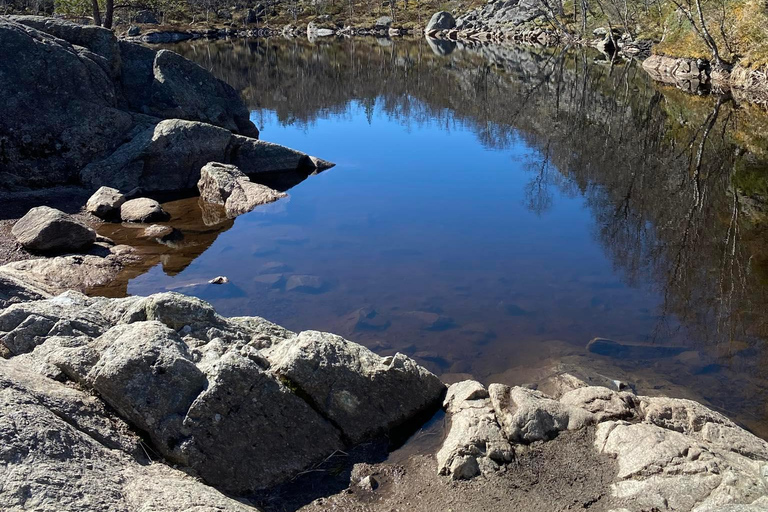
[143, 209]
[306, 284]
[47, 229]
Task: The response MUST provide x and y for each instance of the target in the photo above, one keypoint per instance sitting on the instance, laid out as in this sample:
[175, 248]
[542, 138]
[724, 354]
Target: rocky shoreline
[95, 389]
[160, 403]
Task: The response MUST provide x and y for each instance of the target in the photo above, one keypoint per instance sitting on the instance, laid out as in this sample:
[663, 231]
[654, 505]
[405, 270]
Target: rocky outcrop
[685, 73]
[237, 401]
[62, 450]
[671, 454]
[46, 229]
[168, 156]
[501, 14]
[226, 185]
[88, 108]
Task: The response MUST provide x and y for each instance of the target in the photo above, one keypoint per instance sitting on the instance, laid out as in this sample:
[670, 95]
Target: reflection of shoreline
[657, 168]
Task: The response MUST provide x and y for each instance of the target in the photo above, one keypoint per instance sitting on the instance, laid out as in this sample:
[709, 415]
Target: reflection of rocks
[441, 47]
[672, 454]
[208, 391]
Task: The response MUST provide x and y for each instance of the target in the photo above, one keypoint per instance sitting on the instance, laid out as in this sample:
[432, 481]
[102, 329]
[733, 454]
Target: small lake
[491, 211]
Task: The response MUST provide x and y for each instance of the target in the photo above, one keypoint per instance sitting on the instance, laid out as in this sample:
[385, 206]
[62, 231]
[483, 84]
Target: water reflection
[492, 210]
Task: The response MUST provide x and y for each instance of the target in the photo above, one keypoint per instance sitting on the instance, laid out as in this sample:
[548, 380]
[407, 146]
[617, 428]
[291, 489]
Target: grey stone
[362, 393]
[146, 373]
[383, 22]
[145, 17]
[442, 20]
[157, 231]
[142, 209]
[47, 229]
[62, 451]
[248, 431]
[81, 272]
[227, 185]
[306, 284]
[604, 403]
[475, 441]
[134, 31]
[105, 203]
[527, 415]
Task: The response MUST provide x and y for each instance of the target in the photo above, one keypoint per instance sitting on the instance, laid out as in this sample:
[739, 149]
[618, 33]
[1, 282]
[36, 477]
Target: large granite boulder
[79, 105]
[62, 450]
[442, 20]
[226, 185]
[362, 393]
[184, 90]
[168, 156]
[59, 108]
[47, 229]
[248, 431]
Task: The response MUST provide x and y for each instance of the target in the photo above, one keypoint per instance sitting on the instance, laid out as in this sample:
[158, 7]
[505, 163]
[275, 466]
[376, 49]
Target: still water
[491, 211]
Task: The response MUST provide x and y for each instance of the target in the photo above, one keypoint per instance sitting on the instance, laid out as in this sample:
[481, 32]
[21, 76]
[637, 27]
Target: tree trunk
[96, 12]
[109, 10]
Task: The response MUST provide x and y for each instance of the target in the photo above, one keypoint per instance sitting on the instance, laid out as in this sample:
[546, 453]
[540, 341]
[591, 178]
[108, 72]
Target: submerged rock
[47, 229]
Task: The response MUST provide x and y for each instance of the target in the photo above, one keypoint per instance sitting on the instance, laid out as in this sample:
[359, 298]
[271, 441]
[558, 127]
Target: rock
[368, 319]
[369, 483]
[383, 23]
[527, 415]
[219, 280]
[664, 469]
[475, 442]
[14, 290]
[249, 431]
[157, 231]
[145, 17]
[143, 209]
[442, 20]
[168, 156]
[227, 185]
[117, 92]
[625, 350]
[252, 16]
[47, 229]
[362, 393]
[306, 284]
[105, 203]
[86, 459]
[602, 402]
[146, 373]
[187, 91]
[42, 143]
[81, 272]
[134, 31]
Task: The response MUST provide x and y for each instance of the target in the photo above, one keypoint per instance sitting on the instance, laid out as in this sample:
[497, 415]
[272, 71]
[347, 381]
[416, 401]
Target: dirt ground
[563, 474]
